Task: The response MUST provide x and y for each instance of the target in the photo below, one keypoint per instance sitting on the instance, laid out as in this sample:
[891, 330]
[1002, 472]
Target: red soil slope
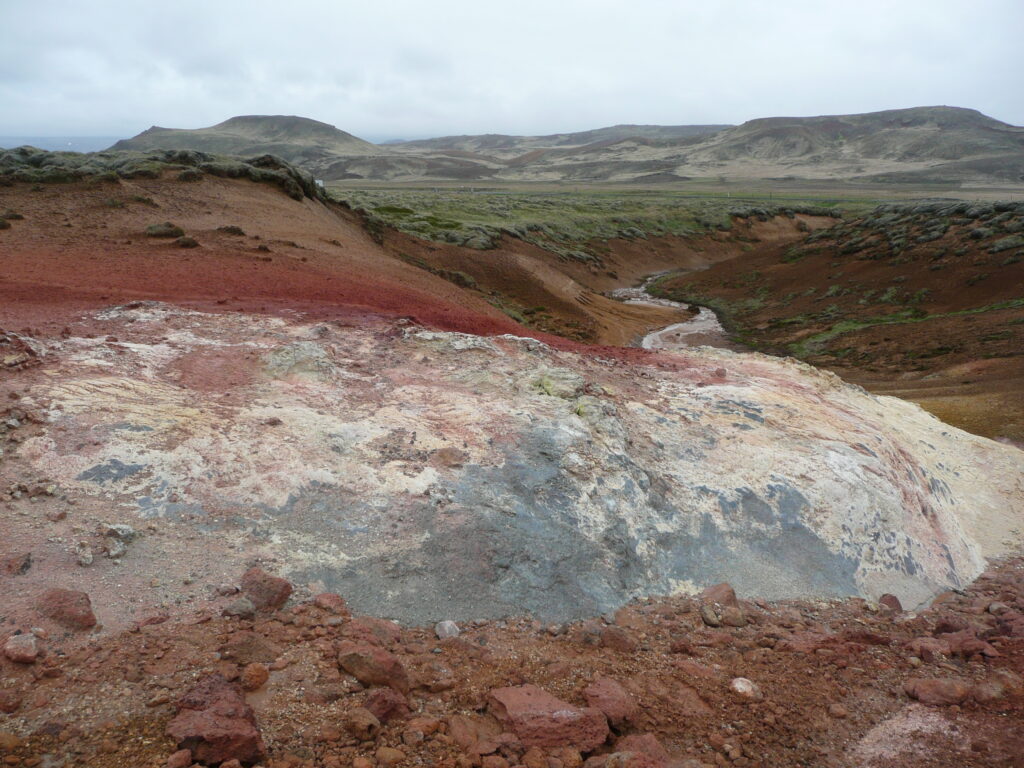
[83, 246]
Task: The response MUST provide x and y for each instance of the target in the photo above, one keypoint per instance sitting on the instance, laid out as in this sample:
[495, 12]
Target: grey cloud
[401, 68]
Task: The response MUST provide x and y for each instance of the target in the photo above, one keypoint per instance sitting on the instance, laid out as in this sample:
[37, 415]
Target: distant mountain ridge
[293, 138]
[497, 141]
[917, 145]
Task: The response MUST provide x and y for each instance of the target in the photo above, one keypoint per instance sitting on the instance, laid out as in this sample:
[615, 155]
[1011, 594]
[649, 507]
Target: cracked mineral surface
[429, 475]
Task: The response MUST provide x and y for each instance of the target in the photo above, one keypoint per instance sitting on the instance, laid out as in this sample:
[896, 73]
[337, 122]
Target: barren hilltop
[295, 139]
[946, 145]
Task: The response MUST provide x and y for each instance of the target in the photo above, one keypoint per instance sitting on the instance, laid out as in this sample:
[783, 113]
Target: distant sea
[63, 143]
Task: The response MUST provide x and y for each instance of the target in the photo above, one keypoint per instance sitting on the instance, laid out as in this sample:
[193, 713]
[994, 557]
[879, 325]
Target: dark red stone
[265, 591]
[216, 724]
[67, 607]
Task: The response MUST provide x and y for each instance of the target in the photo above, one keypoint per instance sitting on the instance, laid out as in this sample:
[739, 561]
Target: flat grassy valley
[575, 223]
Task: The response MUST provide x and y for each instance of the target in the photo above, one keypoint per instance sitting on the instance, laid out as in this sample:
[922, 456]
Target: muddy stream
[701, 330]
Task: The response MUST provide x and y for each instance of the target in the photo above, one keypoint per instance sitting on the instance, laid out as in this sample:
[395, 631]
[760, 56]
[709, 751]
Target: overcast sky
[407, 69]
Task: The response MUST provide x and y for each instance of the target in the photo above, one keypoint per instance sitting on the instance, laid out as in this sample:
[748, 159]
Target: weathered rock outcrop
[428, 475]
[216, 724]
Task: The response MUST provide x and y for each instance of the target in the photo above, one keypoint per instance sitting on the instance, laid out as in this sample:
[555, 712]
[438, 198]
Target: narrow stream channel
[701, 330]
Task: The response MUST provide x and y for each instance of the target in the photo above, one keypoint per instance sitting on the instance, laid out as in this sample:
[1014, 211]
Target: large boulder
[937, 691]
[372, 665]
[68, 607]
[216, 724]
[541, 720]
[265, 591]
[608, 696]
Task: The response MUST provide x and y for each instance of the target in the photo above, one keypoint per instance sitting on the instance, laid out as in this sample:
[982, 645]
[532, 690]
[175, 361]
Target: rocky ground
[153, 454]
[687, 681]
[213, 455]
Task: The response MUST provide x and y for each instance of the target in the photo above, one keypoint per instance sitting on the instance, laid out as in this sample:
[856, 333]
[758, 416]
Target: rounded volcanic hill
[287, 136]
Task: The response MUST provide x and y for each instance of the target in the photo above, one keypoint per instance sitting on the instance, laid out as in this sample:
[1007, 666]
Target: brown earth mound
[82, 246]
[923, 301]
[249, 248]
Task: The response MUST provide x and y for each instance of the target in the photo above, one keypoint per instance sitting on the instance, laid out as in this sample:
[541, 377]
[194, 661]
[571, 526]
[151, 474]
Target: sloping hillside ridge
[502, 145]
[947, 145]
[922, 299]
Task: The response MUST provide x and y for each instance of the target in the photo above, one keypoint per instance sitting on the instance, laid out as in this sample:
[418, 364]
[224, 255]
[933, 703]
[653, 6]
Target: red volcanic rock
[265, 591]
[667, 693]
[362, 723]
[644, 744]
[247, 647]
[865, 637]
[386, 704]
[254, 676]
[723, 594]
[180, 759]
[949, 624]
[891, 603]
[332, 603]
[618, 639]
[22, 649]
[216, 724]
[937, 691]
[16, 565]
[67, 607]
[1011, 624]
[806, 642]
[965, 643]
[733, 616]
[928, 648]
[612, 699]
[988, 690]
[389, 756]
[372, 665]
[541, 720]
[10, 701]
[467, 731]
[367, 629]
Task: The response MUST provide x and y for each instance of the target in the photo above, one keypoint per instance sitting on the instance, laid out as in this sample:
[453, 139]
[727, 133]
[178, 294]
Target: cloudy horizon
[404, 70]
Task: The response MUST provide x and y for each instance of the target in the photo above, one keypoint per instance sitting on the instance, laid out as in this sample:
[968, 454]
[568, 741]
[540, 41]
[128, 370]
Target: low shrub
[167, 229]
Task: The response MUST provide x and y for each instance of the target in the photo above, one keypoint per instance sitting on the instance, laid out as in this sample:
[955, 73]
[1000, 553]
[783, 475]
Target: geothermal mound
[428, 475]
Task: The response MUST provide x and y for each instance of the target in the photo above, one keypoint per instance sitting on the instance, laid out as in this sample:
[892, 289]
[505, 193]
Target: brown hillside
[925, 301]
